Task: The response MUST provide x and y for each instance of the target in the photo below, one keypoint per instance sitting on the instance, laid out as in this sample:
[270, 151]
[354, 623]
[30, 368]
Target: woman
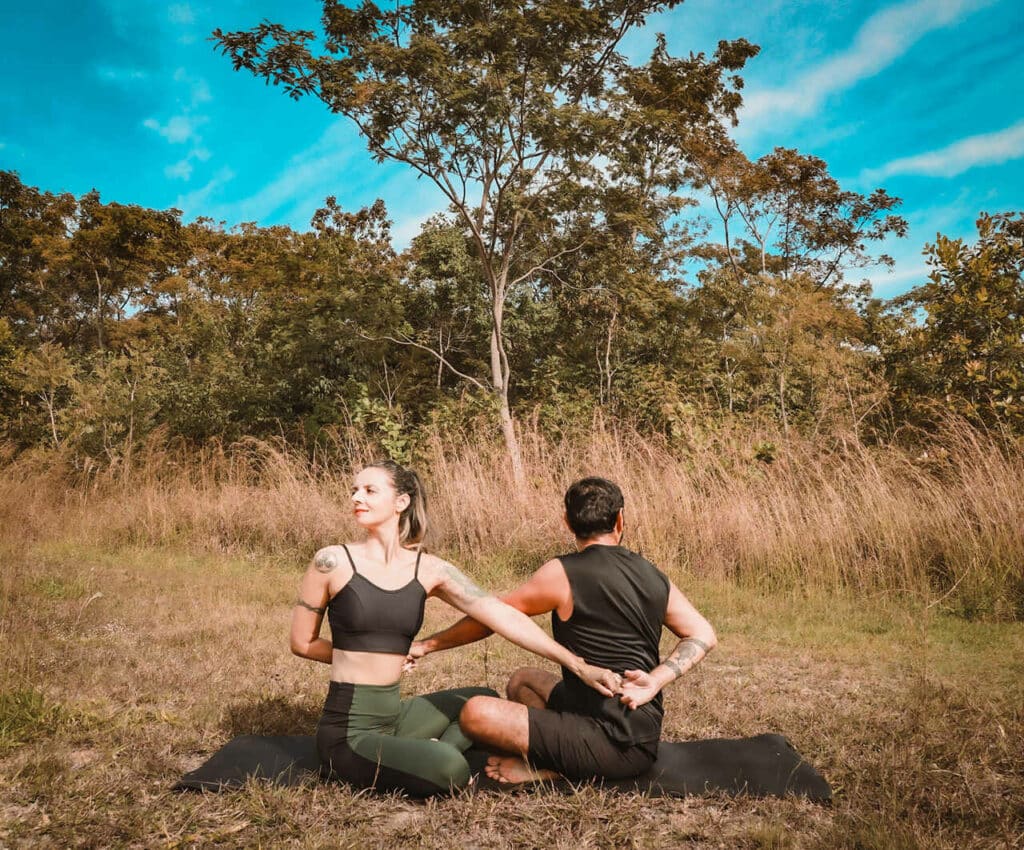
[374, 594]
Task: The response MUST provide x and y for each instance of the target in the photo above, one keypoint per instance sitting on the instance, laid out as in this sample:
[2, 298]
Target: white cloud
[199, 89]
[180, 13]
[196, 202]
[120, 76]
[884, 37]
[179, 129]
[318, 169]
[984, 149]
[181, 170]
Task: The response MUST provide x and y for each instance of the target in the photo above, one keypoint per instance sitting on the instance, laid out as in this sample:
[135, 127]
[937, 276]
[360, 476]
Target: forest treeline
[117, 320]
[606, 248]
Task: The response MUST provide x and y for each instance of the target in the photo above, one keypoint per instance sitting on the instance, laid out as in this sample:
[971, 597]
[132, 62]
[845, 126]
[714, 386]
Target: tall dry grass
[944, 522]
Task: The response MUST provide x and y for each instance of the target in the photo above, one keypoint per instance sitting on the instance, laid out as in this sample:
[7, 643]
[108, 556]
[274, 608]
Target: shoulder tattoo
[325, 561]
[465, 584]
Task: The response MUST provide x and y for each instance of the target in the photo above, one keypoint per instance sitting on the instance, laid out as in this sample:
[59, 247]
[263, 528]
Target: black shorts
[578, 747]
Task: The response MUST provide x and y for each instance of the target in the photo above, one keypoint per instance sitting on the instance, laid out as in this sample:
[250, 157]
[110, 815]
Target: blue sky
[922, 97]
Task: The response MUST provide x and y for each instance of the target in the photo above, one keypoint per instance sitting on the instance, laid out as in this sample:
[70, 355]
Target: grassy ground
[124, 669]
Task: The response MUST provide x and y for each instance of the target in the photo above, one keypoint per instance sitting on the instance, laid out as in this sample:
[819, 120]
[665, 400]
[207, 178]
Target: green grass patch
[25, 714]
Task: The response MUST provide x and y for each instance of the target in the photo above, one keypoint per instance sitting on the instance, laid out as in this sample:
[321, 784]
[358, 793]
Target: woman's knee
[451, 770]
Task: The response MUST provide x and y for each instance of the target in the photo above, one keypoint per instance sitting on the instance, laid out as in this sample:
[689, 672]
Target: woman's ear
[402, 502]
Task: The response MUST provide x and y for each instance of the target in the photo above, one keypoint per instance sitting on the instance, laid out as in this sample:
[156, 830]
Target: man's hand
[416, 652]
[637, 688]
[601, 680]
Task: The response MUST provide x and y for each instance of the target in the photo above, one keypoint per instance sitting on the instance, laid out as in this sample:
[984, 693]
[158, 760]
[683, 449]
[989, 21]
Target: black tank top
[368, 618]
[619, 601]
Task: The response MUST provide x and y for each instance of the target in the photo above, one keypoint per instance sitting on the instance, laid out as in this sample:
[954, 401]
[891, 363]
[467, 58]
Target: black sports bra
[367, 618]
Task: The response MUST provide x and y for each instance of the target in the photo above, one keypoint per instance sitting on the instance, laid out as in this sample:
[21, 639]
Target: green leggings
[370, 738]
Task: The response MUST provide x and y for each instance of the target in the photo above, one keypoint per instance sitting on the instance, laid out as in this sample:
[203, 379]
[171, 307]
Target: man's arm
[697, 640]
[544, 591]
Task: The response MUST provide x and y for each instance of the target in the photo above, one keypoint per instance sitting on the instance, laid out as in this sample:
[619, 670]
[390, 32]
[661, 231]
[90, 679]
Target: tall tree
[109, 256]
[784, 214]
[31, 222]
[968, 352]
[503, 105]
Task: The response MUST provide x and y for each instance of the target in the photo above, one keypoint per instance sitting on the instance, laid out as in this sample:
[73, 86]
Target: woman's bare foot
[512, 769]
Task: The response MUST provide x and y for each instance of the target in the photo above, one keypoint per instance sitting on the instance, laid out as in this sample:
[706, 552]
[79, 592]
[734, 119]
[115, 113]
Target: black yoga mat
[761, 766]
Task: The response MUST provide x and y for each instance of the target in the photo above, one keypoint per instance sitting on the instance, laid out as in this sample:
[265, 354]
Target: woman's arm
[539, 594]
[308, 613]
[458, 590]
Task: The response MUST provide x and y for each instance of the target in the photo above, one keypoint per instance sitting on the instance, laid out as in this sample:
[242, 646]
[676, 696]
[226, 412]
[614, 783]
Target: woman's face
[374, 498]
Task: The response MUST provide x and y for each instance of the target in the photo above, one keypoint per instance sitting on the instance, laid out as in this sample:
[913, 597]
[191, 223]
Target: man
[608, 605]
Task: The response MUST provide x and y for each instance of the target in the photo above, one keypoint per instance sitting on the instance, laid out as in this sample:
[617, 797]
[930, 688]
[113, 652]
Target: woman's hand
[416, 652]
[637, 688]
[601, 680]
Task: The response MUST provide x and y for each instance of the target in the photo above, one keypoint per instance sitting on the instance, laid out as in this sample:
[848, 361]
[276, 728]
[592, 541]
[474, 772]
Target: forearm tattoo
[675, 668]
[325, 562]
[688, 653]
[301, 603]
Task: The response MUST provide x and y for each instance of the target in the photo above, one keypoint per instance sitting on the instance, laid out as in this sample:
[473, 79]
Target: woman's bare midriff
[366, 668]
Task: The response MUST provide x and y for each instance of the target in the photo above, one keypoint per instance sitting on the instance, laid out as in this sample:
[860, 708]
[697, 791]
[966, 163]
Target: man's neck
[612, 538]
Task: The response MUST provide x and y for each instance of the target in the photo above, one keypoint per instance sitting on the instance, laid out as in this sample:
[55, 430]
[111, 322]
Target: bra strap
[417, 573]
[353, 563]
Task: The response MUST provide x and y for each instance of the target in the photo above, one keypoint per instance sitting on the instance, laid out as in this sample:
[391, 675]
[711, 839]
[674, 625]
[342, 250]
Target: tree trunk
[500, 380]
[48, 400]
[782, 403]
[99, 310]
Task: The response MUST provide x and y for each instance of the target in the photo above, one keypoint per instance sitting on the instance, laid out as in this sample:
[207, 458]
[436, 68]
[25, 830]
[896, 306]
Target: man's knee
[475, 714]
[523, 679]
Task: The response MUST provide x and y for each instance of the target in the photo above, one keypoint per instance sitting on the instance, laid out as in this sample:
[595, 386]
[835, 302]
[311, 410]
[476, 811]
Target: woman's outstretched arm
[461, 592]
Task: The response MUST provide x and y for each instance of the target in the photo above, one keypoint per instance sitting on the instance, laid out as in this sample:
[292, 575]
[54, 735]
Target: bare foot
[512, 769]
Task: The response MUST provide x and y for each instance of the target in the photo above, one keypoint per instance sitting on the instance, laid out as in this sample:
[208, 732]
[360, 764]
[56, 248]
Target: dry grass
[124, 668]
[143, 616]
[944, 524]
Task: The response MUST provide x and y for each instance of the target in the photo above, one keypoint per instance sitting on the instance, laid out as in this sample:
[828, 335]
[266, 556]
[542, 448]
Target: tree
[110, 255]
[31, 223]
[504, 106]
[968, 352]
[795, 217]
[46, 374]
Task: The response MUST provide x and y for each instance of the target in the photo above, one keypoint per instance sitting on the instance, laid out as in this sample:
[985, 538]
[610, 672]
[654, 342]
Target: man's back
[619, 601]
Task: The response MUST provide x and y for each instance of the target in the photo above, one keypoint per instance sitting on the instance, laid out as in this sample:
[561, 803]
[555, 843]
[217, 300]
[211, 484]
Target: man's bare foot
[512, 769]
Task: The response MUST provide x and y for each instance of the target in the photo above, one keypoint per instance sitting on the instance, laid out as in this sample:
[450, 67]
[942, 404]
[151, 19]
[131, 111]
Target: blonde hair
[412, 524]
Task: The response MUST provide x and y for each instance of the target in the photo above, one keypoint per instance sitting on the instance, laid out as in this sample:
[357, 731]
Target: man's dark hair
[591, 506]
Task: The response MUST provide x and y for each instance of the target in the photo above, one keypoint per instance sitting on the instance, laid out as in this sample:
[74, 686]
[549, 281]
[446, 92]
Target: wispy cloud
[178, 130]
[316, 169]
[199, 90]
[884, 37]
[181, 13]
[184, 127]
[197, 202]
[181, 170]
[958, 157]
[121, 76]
